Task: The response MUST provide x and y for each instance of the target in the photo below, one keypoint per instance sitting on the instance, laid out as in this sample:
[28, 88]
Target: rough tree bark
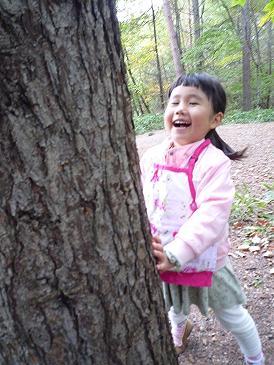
[76, 274]
[173, 39]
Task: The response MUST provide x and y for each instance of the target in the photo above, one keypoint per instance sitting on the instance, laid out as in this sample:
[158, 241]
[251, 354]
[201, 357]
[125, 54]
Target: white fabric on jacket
[208, 225]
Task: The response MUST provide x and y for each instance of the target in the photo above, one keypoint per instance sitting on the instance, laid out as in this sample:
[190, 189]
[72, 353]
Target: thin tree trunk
[135, 109]
[269, 48]
[76, 273]
[159, 72]
[196, 19]
[173, 39]
[256, 58]
[197, 30]
[190, 23]
[178, 26]
[139, 97]
[246, 57]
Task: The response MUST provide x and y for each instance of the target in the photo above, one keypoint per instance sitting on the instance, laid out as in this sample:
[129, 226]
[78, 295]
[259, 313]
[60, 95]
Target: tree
[159, 72]
[139, 97]
[173, 39]
[270, 45]
[246, 49]
[77, 279]
[197, 30]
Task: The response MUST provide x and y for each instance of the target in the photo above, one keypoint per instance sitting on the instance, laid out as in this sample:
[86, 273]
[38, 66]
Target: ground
[209, 344]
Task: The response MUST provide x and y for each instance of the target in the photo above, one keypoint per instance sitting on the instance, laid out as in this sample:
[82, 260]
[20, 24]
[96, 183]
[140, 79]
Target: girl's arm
[209, 223]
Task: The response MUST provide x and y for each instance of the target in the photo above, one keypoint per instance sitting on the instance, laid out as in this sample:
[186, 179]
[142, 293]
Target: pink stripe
[196, 279]
[170, 168]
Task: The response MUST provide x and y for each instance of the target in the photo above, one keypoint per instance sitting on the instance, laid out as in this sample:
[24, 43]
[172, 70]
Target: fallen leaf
[244, 247]
[240, 254]
[238, 224]
[233, 255]
[268, 254]
[254, 248]
[262, 222]
[256, 239]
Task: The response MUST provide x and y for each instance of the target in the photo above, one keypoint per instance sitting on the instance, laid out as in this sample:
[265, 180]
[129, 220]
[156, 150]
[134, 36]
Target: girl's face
[189, 115]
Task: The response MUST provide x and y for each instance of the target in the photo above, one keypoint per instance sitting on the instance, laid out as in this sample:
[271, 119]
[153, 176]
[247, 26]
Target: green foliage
[269, 13]
[246, 206]
[256, 212]
[218, 51]
[147, 123]
[252, 116]
[268, 10]
[138, 42]
[238, 2]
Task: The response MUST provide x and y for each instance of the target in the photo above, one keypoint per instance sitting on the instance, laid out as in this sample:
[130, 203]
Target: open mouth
[181, 123]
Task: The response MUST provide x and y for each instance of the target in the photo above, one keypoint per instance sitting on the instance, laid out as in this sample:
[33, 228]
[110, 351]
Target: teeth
[181, 123]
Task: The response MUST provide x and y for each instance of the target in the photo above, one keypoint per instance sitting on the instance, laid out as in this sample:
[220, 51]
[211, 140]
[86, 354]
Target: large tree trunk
[173, 39]
[76, 274]
[246, 52]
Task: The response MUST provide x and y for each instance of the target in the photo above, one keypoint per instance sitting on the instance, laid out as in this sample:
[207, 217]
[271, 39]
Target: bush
[147, 123]
[252, 116]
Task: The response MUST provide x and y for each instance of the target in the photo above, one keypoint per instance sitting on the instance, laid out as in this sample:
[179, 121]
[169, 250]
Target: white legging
[236, 320]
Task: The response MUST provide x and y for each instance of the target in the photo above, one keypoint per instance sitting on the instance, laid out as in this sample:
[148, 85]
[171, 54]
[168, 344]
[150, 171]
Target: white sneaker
[180, 336]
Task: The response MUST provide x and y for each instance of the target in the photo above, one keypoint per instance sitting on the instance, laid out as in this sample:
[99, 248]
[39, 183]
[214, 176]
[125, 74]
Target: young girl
[188, 193]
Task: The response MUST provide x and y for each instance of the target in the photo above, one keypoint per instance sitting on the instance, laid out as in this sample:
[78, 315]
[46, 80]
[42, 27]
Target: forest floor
[209, 344]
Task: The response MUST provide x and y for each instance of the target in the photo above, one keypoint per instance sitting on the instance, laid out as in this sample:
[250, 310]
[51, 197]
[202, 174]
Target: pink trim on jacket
[197, 279]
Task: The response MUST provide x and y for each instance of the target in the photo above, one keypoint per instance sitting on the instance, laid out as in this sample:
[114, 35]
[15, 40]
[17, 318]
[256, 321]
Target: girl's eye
[174, 103]
[193, 103]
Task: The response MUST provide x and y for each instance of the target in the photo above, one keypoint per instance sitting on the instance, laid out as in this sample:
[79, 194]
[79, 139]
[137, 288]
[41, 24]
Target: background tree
[246, 49]
[76, 274]
[173, 38]
[159, 69]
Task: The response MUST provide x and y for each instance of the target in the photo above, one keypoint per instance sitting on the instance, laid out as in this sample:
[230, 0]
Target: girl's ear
[217, 120]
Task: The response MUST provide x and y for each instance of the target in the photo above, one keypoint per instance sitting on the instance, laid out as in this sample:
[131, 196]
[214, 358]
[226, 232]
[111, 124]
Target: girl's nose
[180, 108]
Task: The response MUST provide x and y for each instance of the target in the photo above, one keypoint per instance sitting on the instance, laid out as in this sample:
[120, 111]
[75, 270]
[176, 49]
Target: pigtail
[218, 142]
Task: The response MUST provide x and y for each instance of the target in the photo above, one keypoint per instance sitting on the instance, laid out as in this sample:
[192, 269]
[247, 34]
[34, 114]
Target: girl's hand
[163, 263]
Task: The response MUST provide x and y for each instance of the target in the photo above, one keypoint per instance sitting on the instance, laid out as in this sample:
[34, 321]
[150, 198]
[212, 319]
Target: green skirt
[224, 293]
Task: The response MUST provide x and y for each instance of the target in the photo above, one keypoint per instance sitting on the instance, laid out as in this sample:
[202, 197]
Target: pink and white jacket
[188, 207]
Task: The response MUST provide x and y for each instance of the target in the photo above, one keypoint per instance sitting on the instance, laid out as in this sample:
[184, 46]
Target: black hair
[216, 94]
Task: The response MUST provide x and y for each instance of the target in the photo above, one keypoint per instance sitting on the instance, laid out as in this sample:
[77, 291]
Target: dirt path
[209, 343]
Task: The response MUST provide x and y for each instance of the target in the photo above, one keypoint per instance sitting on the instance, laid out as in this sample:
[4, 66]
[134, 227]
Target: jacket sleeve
[208, 224]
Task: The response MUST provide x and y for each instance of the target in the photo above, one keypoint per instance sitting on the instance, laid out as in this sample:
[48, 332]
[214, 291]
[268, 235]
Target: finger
[157, 246]
[158, 254]
[161, 267]
[156, 239]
